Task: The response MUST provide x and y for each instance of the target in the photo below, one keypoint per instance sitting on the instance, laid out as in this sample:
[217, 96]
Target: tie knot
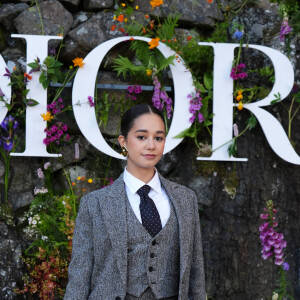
[144, 190]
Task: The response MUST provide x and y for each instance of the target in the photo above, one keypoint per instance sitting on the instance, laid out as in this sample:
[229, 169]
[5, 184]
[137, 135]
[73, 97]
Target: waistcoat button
[153, 242]
[152, 255]
[118, 298]
[151, 269]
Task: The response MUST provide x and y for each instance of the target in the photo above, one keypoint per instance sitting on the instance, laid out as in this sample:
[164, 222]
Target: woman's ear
[122, 140]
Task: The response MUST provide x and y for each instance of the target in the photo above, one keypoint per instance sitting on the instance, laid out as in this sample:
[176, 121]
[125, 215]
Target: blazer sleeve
[197, 277]
[81, 265]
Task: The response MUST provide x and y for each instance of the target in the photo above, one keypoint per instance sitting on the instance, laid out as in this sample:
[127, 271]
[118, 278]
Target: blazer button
[151, 269]
[152, 255]
[118, 298]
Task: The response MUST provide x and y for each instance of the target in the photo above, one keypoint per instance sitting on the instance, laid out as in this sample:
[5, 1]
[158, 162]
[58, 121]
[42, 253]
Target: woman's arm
[197, 278]
[81, 265]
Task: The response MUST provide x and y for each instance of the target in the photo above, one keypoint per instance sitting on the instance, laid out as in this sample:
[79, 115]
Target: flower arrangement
[273, 245]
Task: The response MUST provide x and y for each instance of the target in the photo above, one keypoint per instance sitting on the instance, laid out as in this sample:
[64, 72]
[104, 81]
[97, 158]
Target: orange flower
[121, 30]
[83, 178]
[26, 75]
[132, 39]
[188, 38]
[113, 28]
[47, 116]
[156, 3]
[83, 189]
[240, 106]
[14, 68]
[144, 30]
[78, 62]
[239, 97]
[148, 72]
[154, 43]
[90, 180]
[209, 1]
[146, 16]
[73, 183]
[120, 18]
[123, 4]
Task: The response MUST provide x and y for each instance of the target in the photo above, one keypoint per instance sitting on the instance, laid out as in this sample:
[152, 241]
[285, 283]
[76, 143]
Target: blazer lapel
[183, 216]
[113, 209]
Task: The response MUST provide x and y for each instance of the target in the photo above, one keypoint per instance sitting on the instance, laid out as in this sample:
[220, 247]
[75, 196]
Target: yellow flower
[90, 180]
[78, 178]
[125, 20]
[123, 4]
[115, 17]
[156, 3]
[154, 43]
[240, 92]
[239, 97]
[137, 7]
[148, 72]
[47, 116]
[78, 62]
[240, 106]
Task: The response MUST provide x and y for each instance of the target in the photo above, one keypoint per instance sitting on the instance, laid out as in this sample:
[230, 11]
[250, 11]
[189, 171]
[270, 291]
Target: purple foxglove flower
[278, 262]
[47, 165]
[65, 127]
[266, 248]
[271, 242]
[285, 266]
[278, 250]
[267, 255]
[200, 117]
[279, 255]
[283, 244]
[137, 89]
[264, 216]
[40, 173]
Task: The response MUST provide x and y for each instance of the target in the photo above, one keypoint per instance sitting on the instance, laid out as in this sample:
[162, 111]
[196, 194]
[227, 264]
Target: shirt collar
[134, 183]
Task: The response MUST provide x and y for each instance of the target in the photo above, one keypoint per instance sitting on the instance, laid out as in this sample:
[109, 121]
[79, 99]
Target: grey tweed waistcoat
[153, 262]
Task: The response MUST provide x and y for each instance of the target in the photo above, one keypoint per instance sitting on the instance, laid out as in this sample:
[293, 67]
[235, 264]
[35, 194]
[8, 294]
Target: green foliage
[124, 65]
[232, 148]
[50, 70]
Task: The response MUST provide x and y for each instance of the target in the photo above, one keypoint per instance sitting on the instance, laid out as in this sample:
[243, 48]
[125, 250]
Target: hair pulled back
[133, 113]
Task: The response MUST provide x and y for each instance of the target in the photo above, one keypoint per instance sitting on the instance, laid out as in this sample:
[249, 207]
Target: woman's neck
[144, 175]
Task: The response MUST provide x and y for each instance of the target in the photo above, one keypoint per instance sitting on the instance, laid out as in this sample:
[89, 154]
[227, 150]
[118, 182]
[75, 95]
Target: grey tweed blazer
[98, 267]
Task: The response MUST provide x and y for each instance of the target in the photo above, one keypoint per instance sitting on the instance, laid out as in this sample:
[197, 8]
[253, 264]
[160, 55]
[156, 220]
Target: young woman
[140, 237]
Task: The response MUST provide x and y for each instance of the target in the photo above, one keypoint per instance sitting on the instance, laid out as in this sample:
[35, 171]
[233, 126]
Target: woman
[140, 237]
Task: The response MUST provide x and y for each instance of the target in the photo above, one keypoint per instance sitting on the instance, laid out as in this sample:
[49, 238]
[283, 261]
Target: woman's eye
[158, 138]
[141, 137]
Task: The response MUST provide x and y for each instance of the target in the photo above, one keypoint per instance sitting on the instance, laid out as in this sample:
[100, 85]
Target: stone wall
[231, 195]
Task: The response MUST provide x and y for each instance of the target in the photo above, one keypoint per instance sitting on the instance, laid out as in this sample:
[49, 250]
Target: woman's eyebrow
[145, 130]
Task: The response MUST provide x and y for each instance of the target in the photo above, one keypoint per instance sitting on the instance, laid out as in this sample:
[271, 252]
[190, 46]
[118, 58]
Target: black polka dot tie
[150, 216]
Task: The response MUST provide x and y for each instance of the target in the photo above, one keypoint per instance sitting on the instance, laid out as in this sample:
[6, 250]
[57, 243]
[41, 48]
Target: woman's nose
[150, 144]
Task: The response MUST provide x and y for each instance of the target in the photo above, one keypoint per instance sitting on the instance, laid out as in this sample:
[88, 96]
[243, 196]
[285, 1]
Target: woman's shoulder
[103, 193]
[175, 186]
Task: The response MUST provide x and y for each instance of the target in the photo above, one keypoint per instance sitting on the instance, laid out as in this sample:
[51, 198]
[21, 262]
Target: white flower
[34, 222]
[30, 220]
[47, 165]
[64, 203]
[275, 296]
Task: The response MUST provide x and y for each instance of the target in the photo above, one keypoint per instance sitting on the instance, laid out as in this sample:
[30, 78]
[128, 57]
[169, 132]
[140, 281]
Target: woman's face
[145, 143]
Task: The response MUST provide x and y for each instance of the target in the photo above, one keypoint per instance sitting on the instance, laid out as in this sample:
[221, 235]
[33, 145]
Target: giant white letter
[37, 46]
[84, 86]
[223, 103]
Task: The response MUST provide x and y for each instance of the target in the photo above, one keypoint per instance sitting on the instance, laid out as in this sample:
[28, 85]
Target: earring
[124, 151]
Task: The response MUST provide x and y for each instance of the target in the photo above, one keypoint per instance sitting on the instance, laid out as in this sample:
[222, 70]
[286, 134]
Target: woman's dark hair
[133, 113]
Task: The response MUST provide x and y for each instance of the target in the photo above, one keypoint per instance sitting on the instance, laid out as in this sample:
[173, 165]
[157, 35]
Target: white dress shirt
[157, 194]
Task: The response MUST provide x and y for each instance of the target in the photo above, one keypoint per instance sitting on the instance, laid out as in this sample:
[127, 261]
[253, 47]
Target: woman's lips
[149, 156]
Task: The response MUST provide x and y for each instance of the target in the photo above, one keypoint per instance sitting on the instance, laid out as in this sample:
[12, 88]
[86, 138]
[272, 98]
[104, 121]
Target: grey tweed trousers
[148, 295]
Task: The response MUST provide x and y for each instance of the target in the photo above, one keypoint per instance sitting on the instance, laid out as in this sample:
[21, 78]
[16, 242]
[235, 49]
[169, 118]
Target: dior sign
[84, 84]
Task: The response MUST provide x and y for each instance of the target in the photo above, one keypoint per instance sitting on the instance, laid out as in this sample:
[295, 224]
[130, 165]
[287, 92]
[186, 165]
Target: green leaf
[166, 62]
[232, 148]
[251, 122]
[190, 132]
[33, 65]
[208, 81]
[124, 65]
[31, 102]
